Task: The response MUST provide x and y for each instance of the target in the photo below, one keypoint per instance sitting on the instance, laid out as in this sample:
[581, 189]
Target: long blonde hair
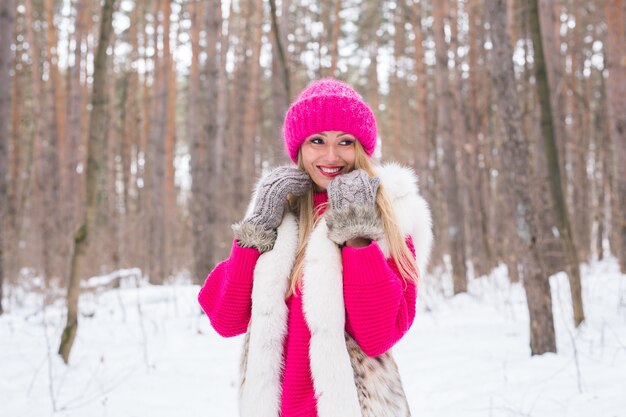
[308, 218]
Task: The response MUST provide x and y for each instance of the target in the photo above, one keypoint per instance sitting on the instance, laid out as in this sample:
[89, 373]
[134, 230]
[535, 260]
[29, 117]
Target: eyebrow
[340, 134]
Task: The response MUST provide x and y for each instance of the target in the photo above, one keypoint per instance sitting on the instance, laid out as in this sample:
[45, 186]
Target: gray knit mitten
[258, 229]
[353, 214]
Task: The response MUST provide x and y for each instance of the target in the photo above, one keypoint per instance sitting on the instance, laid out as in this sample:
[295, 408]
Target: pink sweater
[379, 311]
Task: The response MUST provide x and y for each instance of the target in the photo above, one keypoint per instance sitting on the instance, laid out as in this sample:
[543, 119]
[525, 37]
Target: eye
[316, 141]
[347, 142]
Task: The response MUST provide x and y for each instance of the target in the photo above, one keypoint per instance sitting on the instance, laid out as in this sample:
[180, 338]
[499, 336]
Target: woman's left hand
[353, 188]
[353, 219]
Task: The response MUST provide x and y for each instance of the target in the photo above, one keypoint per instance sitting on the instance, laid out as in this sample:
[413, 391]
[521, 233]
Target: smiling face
[326, 155]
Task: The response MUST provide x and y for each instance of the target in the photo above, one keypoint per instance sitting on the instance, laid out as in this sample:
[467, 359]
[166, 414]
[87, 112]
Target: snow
[145, 350]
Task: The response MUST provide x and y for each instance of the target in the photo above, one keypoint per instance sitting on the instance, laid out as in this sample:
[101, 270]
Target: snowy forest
[133, 132]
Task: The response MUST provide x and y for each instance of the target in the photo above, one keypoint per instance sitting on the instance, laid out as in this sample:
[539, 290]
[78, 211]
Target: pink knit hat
[328, 104]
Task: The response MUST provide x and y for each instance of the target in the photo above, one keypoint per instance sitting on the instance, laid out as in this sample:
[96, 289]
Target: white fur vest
[347, 382]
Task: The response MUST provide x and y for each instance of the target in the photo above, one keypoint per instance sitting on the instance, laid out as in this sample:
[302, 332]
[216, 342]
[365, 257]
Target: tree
[199, 198]
[7, 23]
[478, 221]
[96, 178]
[456, 220]
[616, 90]
[251, 137]
[75, 118]
[333, 42]
[53, 150]
[555, 176]
[45, 211]
[516, 158]
[280, 72]
[421, 93]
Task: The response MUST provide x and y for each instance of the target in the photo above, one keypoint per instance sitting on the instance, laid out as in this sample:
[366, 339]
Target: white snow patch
[151, 351]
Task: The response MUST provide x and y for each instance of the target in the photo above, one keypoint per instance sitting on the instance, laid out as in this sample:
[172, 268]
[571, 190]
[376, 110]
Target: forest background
[132, 132]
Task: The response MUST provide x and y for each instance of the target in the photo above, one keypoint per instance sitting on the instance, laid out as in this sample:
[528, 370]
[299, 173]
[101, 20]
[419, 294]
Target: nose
[332, 154]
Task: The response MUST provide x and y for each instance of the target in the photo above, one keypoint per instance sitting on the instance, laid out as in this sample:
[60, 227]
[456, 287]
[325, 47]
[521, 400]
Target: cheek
[307, 161]
[309, 170]
[349, 156]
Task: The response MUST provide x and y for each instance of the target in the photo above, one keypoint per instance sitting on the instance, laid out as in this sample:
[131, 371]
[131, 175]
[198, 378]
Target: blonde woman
[323, 272]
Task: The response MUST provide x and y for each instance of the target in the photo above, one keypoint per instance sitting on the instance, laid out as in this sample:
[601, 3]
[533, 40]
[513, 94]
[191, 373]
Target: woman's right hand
[271, 195]
[258, 229]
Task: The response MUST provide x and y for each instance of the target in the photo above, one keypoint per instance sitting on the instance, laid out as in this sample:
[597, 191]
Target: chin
[321, 185]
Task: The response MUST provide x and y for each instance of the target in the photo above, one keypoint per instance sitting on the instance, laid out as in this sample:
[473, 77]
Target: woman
[322, 275]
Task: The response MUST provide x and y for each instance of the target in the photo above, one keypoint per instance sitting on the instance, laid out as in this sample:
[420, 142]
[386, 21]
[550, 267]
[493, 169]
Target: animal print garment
[378, 383]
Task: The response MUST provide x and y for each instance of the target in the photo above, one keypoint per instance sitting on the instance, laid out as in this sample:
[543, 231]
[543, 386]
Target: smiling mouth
[330, 171]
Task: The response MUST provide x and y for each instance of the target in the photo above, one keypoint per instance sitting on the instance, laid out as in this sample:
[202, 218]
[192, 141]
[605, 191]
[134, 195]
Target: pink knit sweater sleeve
[380, 307]
[226, 296]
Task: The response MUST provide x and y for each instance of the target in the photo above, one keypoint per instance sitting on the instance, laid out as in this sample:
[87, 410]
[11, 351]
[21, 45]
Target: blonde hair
[308, 218]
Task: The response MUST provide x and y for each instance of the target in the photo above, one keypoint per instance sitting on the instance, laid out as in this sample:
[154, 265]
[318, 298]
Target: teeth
[330, 170]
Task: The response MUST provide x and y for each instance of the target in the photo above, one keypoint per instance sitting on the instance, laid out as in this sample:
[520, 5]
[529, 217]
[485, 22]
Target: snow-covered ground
[148, 351]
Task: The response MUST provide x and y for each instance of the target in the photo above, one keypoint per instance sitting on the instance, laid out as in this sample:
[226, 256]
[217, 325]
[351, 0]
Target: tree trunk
[170, 142]
[616, 92]
[241, 147]
[479, 198]
[393, 148]
[213, 144]
[251, 115]
[463, 134]
[55, 88]
[579, 129]
[550, 21]
[280, 75]
[131, 131]
[43, 205]
[52, 151]
[199, 196]
[23, 167]
[280, 55]
[334, 39]
[7, 23]
[372, 46]
[552, 155]
[108, 235]
[75, 129]
[142, 211]
[456, 221]
[421, 96]
[16, 185]
[601, 185]
[517, 160]
[96, 178]
[207, 177]
[156, 157]
[222, 245]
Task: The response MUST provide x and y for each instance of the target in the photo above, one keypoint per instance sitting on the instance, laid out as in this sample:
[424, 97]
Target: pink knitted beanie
[325, 105]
